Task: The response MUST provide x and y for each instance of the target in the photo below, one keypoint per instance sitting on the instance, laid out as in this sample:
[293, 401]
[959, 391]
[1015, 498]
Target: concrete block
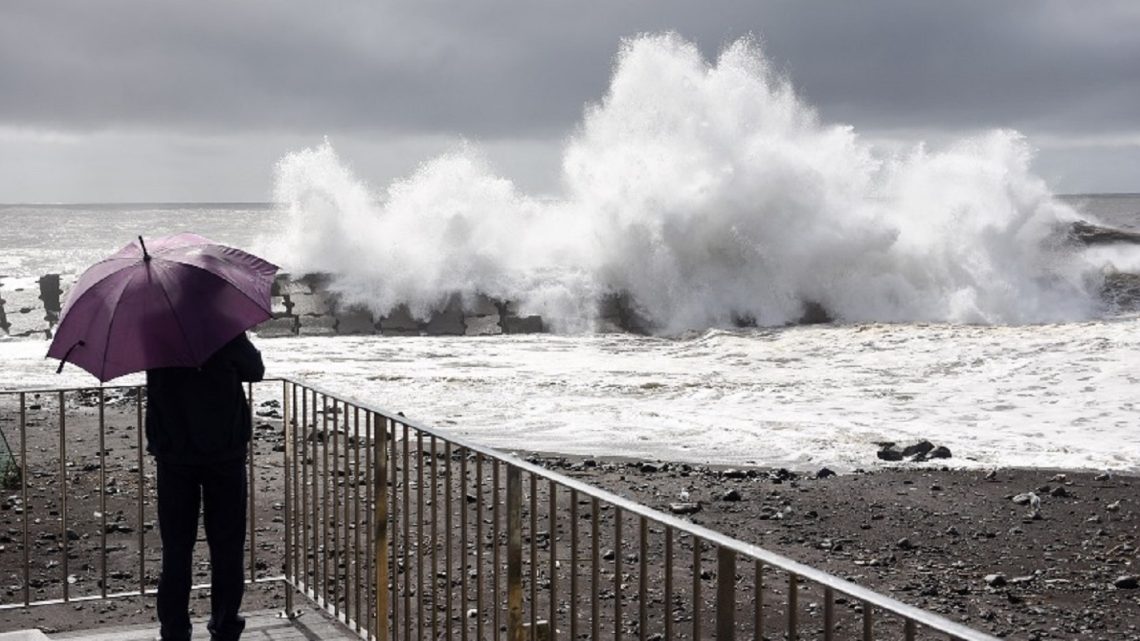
[277, 327]
[522, 324]
[448, 321]
[399, 322]
[3, 315]
[512, 323]
[318, 304]
[621, 310]
[28, 324]
[355, 320]
[482, 325]
[50, 293]
[280, 305]
[24, 311]
[283, 285]
[316, 325]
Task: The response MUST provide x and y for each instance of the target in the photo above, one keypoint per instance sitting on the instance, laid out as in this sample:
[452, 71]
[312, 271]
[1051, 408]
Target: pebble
[824, 473]
[995, 580]
[731, 495]
[1127, 582]
[684, 508]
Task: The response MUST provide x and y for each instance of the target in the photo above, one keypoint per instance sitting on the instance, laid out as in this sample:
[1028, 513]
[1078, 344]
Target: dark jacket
[198, 415]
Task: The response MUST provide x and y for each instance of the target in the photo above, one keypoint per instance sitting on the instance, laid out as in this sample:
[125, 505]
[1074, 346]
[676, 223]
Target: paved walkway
[312, 625]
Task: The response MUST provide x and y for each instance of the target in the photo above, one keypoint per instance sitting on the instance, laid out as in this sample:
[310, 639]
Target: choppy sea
[1064, 395]
[710, 194]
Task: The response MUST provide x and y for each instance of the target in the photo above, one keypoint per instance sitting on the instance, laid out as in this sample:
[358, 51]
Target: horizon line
[201, 203]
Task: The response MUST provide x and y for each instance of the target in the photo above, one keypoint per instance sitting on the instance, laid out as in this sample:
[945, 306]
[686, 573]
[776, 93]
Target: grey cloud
[515, 75]
[509, 68]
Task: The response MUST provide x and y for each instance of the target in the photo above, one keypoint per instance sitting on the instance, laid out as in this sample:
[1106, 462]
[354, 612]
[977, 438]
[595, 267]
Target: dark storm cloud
[525, 67]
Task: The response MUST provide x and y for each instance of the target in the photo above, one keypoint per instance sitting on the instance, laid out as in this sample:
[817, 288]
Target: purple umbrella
[173, 306]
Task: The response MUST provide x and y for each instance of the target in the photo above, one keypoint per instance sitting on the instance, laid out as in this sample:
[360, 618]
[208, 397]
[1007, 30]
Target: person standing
[198, 429]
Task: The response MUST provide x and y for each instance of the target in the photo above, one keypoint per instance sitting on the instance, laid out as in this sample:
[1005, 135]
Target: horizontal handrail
[750, 550]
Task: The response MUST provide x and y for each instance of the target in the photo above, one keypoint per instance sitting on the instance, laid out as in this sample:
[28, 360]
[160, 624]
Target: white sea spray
[709, 193]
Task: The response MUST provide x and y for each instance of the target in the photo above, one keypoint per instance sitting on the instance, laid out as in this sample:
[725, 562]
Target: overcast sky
[137, 100]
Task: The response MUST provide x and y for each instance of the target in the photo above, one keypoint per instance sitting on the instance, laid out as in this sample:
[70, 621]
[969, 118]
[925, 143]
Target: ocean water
[706, 191]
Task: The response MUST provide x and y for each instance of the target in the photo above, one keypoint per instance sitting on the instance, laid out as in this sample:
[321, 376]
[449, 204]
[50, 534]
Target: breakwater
[305, 306]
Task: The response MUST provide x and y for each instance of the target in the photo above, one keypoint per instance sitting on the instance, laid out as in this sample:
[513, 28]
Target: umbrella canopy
[170, 305]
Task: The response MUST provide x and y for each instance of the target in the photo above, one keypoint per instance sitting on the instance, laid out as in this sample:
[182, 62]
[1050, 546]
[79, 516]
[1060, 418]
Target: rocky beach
[1023, 554]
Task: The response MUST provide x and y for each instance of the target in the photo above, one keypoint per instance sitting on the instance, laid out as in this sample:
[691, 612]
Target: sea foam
[707, 193]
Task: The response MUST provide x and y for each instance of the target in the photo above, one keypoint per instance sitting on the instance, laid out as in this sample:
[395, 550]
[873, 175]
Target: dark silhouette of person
[198, 428]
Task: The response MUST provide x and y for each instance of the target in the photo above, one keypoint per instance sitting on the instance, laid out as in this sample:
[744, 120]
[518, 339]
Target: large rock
[1121, 291]
[1086, 233]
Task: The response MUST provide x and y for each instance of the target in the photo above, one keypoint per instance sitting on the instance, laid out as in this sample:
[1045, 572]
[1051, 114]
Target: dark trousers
[219, 491]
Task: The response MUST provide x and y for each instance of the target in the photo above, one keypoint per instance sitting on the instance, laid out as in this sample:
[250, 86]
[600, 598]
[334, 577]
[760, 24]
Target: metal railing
[401, 531]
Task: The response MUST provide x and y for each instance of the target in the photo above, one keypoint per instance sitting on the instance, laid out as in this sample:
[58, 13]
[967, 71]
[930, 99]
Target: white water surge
[1053, 396]
[708, 192]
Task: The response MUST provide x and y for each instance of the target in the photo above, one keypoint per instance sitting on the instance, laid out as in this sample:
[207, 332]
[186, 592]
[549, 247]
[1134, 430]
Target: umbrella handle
[68, 353]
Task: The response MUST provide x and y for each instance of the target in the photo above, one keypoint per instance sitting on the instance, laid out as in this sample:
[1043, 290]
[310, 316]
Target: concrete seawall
[304, 306]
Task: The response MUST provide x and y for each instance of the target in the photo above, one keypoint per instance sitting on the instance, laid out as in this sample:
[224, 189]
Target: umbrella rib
[177, 319]
[67, 304]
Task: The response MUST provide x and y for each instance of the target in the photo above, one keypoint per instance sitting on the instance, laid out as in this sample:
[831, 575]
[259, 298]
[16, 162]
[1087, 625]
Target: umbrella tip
[63, 360]
[146, 256]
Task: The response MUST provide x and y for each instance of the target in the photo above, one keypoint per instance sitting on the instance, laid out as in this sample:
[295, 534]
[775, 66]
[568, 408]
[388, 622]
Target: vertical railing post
[793, 607]
[380, 545]
[868, 623]
[725, 594]
[251, 484]
[63, 491]
[514, 554]
[290, 562]
[102, 494]
[139, 392]
[25, 470]
[828, 614]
